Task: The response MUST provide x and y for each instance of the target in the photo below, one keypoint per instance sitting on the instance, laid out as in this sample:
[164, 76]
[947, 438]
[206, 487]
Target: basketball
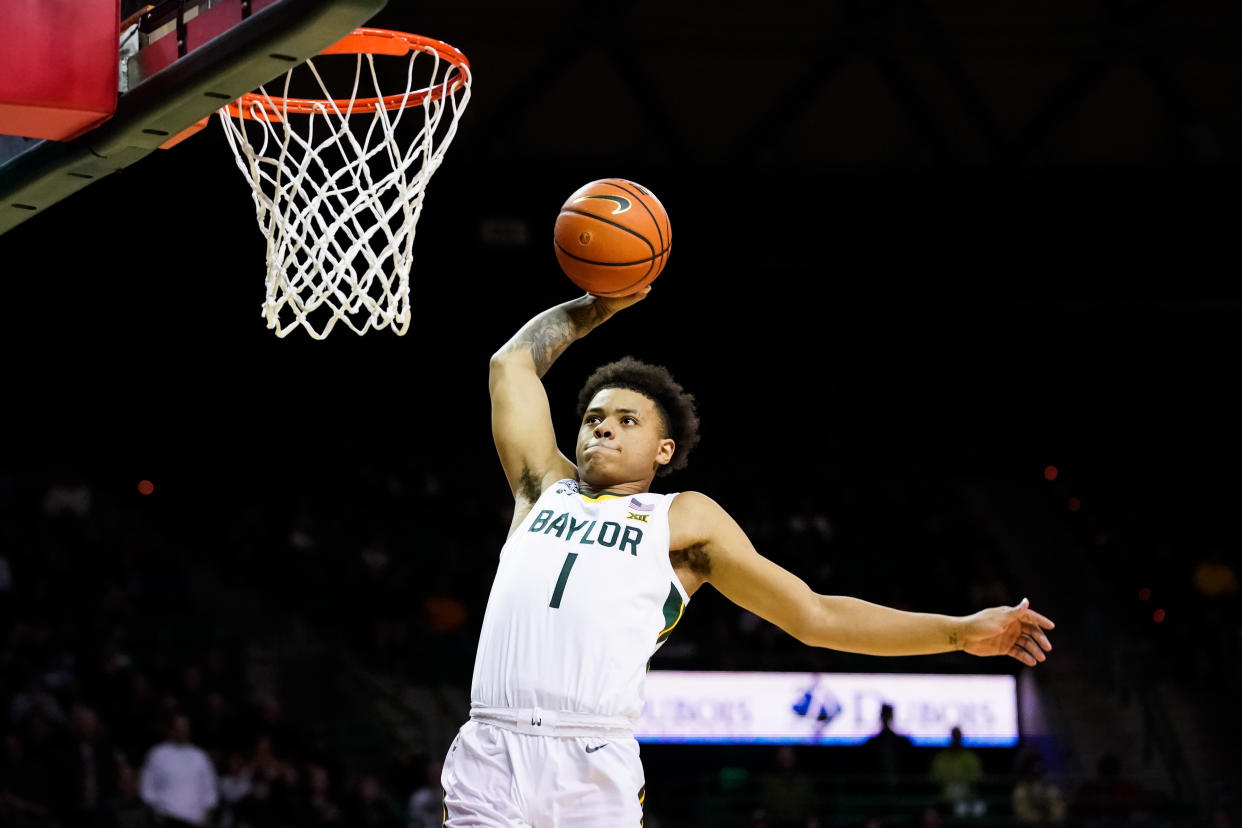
[612, 237]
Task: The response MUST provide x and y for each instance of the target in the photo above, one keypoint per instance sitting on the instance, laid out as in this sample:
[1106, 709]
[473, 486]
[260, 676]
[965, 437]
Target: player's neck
[613, 488]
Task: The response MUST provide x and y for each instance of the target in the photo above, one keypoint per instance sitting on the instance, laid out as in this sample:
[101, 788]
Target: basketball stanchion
[337, 191]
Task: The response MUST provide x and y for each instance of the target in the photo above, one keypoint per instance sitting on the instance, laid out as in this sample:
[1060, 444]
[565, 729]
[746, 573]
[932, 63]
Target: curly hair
[676, 406]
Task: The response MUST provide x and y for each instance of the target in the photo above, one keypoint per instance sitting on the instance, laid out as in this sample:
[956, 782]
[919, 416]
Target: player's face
[621, 439]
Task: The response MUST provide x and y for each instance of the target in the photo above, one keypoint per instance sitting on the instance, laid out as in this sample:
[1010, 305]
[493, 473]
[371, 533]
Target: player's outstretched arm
[724, 557]
[521, 418]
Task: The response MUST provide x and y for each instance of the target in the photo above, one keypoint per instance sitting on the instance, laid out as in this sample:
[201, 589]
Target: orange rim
[362, 42]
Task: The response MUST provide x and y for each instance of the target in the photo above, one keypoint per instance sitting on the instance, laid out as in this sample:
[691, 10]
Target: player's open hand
[1013, 631]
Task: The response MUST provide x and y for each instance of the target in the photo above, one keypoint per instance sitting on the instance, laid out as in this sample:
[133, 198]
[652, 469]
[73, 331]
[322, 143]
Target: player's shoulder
[695, 512]
[692, 501]
[695, 519]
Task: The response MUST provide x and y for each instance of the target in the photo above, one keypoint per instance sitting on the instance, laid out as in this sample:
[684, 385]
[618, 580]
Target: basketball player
[596, 572]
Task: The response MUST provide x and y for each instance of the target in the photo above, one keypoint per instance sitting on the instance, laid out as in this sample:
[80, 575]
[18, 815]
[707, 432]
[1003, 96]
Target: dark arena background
[955, 287]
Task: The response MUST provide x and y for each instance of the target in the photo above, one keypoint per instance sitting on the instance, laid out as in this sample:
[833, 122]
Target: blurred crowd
[128, 699]
[890, 783]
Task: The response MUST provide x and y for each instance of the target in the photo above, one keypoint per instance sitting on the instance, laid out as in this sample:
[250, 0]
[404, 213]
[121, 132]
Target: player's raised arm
[718, 552]
[521, 418]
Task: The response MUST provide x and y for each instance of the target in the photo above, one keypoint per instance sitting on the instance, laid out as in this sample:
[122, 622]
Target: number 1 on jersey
[555, 603]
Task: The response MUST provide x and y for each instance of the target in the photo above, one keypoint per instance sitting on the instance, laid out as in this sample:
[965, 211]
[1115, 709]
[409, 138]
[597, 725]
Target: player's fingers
[1031, 654]
[1036, 633]
[616, 303]
[1022, 655]
[1042, 620]
[637, 296]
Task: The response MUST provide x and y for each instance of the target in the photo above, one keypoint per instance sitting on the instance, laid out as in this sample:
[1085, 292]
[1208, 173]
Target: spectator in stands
[272, 782]
[35, 699]
[137, 724]
[323, 808]
[371, 807]
[957, 772]
[22, 786]
[127, 809]
[1110, 800]
[425, 807]
[107, 676]
[37, 758]
[888, 754]
[269, 722]
[178, 780]
[235, 783]
[787, 795]
[1036, 800]
[191, 693]
[90, 771]
[217, 730]
[446, 635]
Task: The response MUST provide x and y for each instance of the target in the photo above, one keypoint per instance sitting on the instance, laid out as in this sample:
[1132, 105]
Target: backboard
[177, 62]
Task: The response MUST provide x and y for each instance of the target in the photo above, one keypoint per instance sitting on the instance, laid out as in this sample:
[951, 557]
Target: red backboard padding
[59, 61]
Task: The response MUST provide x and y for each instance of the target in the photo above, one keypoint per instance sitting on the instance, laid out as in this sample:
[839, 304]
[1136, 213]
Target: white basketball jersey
[583, 596]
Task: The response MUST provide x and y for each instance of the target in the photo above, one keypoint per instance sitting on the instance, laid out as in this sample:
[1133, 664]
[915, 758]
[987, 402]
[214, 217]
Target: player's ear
[664, 451]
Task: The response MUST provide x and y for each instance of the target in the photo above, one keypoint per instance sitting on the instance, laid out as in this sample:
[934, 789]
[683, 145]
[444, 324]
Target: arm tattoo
[953, 640]
[547, 338]
[694, 558]
[551, 332]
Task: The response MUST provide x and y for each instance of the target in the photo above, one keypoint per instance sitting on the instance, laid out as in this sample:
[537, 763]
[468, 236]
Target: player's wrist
[955, 632]
[586, 313]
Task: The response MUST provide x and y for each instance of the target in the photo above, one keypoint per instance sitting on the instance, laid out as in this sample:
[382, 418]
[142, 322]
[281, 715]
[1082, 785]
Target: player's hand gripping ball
[612, 237]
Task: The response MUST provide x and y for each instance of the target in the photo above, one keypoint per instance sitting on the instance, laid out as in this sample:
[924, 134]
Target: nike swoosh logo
[597, 747]
[622, 202]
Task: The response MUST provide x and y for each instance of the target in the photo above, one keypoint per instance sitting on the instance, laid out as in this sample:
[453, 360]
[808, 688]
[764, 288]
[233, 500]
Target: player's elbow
[509, 359]
[498, 359]
[809, 622]
[810, 635]
[499, 367]
[823, 622]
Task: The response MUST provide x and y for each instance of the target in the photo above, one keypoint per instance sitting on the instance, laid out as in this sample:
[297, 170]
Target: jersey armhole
[681, 589]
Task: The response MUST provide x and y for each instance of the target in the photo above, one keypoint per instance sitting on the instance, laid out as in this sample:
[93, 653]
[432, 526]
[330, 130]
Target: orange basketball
[612, 237]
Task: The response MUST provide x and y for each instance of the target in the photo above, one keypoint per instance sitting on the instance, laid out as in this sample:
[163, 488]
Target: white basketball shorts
[502, 774]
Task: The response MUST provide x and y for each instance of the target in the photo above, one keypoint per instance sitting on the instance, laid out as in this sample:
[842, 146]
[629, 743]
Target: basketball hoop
[337, 193]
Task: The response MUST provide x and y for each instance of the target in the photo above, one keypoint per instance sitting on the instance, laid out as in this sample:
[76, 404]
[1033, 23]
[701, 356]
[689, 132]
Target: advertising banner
[826, 708]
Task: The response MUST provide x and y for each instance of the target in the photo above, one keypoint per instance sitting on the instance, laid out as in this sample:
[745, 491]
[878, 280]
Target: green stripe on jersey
[673, 608]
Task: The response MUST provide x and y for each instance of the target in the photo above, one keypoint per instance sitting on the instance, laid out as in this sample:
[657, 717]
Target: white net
[338, 191]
